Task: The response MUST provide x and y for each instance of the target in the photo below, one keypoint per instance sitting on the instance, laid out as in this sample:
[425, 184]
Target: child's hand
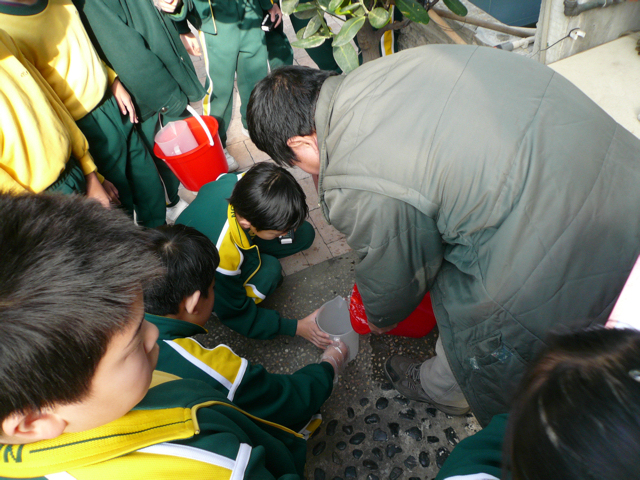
[168, 6]
[336, 354]
[308, 328]
[275, 10]
[190, 42]
[96, 191]
[125, 104]
[111, 191]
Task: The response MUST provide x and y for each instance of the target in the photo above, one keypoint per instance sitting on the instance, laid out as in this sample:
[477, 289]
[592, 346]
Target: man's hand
[190, 42]
[336, 354]
[275, 10]
[112, 192]
[381, 330]
[96, 191]
[125, 104]
[168, 6]
[308, 328]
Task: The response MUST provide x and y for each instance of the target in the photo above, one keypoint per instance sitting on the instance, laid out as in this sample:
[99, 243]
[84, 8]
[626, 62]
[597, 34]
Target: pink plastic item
[417, 325]
[175, 138]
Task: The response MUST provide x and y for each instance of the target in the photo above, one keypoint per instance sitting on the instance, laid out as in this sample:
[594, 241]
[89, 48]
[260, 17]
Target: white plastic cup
[334, 319]
[175, 138]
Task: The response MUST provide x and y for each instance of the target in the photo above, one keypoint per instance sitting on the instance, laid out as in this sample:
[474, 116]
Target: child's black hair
[269, 198]
[190, 260]
[70, 273]
[577, 413]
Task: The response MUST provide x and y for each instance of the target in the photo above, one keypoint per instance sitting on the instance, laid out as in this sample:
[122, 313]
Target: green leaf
[333, 5]
[378, 17]
[311, 42]
[348, 8]
[348, 31]
[346, 57]
[324, 4]
[305, 6]
[456, 7]
[313, 26]
[306, 14]
[288, 6]
[299, 34]
[413, 11]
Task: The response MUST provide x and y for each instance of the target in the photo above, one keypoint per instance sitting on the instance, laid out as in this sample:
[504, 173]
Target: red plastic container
[418, 324]
[203, 164]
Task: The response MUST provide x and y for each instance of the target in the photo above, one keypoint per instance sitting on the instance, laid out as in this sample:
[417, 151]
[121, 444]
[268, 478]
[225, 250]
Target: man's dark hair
[70, 273]
[577, 414]
[269, 198]
[190, 260]
[283, 105]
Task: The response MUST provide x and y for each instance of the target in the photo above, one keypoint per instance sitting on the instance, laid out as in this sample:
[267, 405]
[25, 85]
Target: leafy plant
[360, 18]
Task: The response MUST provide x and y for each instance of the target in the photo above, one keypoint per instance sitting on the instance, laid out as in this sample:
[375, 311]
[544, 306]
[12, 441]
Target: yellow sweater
[51, 36]
[37, 133]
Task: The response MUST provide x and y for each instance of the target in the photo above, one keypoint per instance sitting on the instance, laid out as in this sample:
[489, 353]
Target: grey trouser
[438, 381]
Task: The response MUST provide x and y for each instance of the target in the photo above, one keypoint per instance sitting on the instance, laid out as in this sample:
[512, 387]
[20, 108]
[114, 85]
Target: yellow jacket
[37, 133]
[51, 36]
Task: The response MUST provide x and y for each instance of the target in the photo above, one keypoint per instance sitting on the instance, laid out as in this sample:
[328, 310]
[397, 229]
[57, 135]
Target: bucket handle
[201, 122]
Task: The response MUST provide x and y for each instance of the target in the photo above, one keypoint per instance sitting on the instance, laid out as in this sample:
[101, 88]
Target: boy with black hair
[79, 397]
[263, 204]
[181, 301]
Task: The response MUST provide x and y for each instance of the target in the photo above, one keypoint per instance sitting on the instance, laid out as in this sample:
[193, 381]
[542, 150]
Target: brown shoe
[404, 374]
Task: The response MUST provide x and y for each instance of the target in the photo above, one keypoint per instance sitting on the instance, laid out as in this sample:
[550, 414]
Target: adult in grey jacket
[475, 174]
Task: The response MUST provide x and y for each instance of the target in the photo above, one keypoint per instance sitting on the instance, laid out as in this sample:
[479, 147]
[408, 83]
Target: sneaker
[404, 374]
[231, 162]
[174, 212]
[245, 132]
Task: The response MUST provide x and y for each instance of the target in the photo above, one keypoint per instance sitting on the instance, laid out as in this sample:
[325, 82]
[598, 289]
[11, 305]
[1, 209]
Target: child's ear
[191, 302]
[244, 223]
[32, 427]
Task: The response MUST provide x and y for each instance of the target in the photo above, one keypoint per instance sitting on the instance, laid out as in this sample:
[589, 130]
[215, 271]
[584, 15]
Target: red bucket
[203, 164]
[417, 325]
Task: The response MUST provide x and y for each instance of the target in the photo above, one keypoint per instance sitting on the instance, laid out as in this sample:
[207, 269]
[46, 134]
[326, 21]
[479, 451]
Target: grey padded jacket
[490, 181]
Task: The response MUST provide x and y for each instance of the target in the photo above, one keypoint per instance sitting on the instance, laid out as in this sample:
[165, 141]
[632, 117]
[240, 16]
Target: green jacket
[289, 400]
[478, 457]
[237, 286]
[208, 15]
[490, 181]
[143, 46]
[181, 429]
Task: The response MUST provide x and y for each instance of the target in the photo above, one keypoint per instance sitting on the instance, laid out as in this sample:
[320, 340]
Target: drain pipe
[572, 8]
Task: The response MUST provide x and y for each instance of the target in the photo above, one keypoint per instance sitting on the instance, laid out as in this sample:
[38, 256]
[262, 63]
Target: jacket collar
[136, 430]
[237, 233]
[172, 327]
[324, 106]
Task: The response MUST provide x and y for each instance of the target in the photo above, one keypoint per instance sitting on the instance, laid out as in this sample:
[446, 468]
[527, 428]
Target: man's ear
[31, 427]
[191, 302]
[303, 141]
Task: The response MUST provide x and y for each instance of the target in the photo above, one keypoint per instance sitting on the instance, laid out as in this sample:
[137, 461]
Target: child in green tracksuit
[233, 42]
[51, 36]
[244, 215]
[86, 402]
[181, 302]
[144, 47]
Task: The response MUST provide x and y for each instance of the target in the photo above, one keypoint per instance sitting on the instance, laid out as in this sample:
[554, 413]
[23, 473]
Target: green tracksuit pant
[122, 158]
[70, 181]
[239, 47]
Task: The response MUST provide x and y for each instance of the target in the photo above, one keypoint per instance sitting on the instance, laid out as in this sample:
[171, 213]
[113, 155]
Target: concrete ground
[369, 431]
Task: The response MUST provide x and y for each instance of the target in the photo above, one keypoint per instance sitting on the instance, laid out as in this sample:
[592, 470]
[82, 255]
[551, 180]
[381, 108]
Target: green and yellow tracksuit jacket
[182, 429]
[289, 400]
[239, 287]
